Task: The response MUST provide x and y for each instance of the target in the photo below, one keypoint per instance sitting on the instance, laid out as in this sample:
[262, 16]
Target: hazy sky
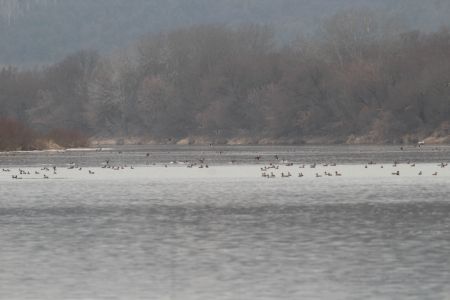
[41, 31]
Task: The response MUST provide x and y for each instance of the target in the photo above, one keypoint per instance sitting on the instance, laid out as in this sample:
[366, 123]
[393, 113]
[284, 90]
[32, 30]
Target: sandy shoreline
[176, 172]
[245, 141]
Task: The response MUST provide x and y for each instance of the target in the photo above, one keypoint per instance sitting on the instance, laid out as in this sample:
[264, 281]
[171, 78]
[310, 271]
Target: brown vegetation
[15, 136]
[360, 80]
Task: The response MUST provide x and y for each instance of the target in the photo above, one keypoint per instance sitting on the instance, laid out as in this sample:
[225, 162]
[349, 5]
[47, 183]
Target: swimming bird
[396, 173]
[435, 173]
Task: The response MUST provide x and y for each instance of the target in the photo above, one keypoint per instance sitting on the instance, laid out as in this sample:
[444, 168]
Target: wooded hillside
[360, 80]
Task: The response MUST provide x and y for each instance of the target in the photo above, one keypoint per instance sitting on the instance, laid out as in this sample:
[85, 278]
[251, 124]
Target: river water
[156, 229]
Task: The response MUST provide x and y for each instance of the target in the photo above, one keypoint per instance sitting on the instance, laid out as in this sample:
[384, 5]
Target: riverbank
[369, 139]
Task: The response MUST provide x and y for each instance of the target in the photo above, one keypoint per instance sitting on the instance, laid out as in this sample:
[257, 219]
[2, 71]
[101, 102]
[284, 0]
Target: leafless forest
[360, 79]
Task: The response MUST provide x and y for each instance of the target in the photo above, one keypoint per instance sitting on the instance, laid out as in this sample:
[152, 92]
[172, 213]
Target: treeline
[359, 80]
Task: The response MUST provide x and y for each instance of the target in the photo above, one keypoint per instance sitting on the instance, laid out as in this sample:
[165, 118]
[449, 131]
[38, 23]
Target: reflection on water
[225, 238]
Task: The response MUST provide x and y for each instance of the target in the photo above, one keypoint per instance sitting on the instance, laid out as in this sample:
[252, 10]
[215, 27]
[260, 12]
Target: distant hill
[35, 32]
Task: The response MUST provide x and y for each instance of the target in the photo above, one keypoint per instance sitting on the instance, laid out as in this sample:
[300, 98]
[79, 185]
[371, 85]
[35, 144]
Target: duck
[396, 173]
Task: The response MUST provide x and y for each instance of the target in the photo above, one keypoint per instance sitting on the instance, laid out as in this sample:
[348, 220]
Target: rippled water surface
[226, 232]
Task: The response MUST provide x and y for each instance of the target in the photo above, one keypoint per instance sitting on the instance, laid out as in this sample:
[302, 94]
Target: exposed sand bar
[378, 171]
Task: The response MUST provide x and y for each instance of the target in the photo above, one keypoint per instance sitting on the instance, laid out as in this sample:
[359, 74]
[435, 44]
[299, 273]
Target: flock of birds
[270, 170]
[42, 173]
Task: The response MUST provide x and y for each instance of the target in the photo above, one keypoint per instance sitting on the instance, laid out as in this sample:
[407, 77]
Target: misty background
[231, 71]
[44, 31]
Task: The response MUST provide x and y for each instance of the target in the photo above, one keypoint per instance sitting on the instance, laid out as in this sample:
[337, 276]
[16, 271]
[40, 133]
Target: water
[225, 232]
